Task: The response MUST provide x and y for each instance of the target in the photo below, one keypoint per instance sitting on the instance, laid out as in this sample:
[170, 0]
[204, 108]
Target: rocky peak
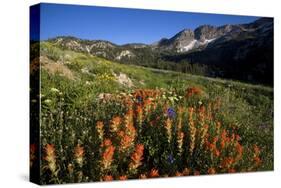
[205, 32]
[186, 34]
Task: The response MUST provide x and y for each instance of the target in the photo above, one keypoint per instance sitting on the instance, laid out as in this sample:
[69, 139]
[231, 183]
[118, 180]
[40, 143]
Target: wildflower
[79, 154]
[186, 171]
[100, 129]
[211, 171]
[180, 142]
[54, 90]
[126, 141]
[107, 178]
[107, 155]
[171, 113]
[192, 130]
[106, 142]
[257, 160]
[196, 173]
[51, 157]
[239, 149]
[139, 114]
[168, 127]
[123, 177]
[115, 123]
[180, 112]
[139, 99]
[231, 170]
[256, 150]
[47, 101]
[193, 91]
[204, 131]
[142, 176]
[154, 173]
[202, 111]
[223, 138]
[216, 152]
[178, 174]
[70, 168]
[227, 162]
[237, 137]
[171, 159]
[136, 157]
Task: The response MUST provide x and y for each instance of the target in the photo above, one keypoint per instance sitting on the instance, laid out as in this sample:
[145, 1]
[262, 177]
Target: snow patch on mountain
[194, 44]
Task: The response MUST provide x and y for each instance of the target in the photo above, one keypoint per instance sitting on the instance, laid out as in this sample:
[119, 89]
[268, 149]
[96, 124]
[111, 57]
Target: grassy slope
[249, 106]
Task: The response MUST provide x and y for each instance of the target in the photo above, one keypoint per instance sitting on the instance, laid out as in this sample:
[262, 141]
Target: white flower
[55, 90]
[47, 101]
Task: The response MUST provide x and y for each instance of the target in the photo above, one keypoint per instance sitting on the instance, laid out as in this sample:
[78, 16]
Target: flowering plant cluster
[142, 135]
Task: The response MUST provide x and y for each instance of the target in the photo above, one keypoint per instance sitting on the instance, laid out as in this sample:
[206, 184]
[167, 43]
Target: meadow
[102, 121]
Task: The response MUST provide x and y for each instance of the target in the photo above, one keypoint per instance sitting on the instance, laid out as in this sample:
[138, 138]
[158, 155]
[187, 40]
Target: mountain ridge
[242, 51]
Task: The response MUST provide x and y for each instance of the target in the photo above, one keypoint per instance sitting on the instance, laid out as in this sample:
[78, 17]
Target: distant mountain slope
[243, 52]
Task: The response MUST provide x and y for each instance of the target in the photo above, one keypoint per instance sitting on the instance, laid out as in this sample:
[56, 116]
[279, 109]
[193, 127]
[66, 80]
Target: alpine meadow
[199, 102]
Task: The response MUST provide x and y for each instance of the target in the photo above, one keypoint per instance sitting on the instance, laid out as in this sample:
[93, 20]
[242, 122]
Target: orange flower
[154, 173]
[79, 151]
[256, 150]
[211, 171]
[126, 141]
[139, 113]
[196, 173]
[70, 168]
[212, 146]
[107, 155]
[106, 142]
[216, 152]
[238, 138]
[186, 171]
[107, 178]
[115, 123]
[180, 141]
[123, 177]
[51, 157]
[136, 157]
[257, 160]
[227, 162]
[231, 170]
[79, 154]
[168, 127]
[100, 129]
[178, 174]
[192, 128]
[193, 91]
[142, 176]
[239, 149]
[50, 150]
[222, 144]
[202, 111]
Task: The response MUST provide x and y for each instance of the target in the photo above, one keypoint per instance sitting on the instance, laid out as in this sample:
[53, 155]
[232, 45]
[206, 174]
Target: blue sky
[122, 26]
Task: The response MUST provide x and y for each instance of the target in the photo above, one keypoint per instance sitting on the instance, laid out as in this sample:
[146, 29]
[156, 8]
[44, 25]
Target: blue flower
[171, 159]
[139, 99]
[171, 113]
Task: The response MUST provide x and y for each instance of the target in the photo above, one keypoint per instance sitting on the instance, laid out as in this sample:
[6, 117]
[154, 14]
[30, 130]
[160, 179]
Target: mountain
[242, 51]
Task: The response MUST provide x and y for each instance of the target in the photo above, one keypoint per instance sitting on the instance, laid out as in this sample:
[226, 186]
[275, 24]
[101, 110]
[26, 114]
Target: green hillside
[79, 90]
